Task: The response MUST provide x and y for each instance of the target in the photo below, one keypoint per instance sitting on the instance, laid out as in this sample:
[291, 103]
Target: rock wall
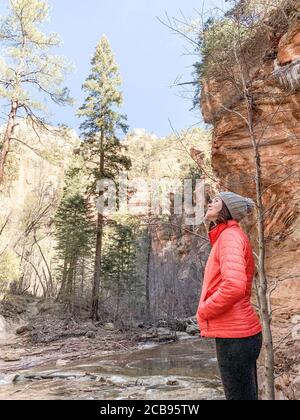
[177, 255]
[30, 193]
[277, 122]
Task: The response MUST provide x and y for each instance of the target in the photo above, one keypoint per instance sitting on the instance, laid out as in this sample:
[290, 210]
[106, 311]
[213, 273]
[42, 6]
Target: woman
[225, 311]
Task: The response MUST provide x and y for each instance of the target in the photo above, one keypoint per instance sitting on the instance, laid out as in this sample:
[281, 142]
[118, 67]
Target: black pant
[237, 363]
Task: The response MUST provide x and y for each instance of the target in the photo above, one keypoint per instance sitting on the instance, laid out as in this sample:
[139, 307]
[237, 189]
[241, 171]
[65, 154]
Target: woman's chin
[208, 217]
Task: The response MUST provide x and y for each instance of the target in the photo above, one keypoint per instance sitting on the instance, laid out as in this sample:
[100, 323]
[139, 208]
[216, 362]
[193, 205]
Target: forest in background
[54, 243]
[128, 270]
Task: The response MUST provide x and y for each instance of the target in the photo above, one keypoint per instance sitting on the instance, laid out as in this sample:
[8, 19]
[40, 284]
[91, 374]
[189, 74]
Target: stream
[183, 370]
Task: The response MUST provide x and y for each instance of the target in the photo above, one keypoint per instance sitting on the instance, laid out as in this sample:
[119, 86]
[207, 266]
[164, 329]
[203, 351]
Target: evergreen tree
[74, 232]
[101, 146]
[27, 67]
[119, 268]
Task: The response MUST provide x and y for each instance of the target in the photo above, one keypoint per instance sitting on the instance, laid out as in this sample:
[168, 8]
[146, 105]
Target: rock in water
[172, 383]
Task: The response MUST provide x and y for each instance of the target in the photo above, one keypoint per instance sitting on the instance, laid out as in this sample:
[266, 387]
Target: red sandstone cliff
[277, 95]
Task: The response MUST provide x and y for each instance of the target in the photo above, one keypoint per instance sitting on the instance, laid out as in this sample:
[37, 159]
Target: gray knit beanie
[238, 206]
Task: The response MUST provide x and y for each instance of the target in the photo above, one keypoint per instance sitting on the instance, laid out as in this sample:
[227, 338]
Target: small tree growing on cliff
[234, 46]
[101, 148]
[27, 68]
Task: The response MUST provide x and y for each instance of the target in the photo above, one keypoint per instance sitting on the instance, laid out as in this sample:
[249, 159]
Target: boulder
[172, 383]
[179, 324]
[159, 335]
[109, 326]
[11, 358]
[192, 329]
[90, 334]
[23, 329]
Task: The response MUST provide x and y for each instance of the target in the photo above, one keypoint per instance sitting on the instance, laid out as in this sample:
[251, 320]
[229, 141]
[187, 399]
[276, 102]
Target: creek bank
[185, 369]
[46, 356]
[35, 332]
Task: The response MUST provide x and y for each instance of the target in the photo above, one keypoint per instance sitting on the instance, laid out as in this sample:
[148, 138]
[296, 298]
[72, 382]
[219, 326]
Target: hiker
[225, 311]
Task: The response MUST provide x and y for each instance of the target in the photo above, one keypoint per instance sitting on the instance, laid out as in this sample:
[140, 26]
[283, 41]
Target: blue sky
[150, 57]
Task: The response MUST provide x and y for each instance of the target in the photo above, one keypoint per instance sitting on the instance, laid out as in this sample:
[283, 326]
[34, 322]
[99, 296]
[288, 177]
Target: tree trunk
[69, 284]
[73, 295]
[120, 272]
[97, 272]
[50, 282]
[265, 311]
[62, 290]
[148, 309]
[99, 237]
[7, 138]
[262, 290]
[82, 285]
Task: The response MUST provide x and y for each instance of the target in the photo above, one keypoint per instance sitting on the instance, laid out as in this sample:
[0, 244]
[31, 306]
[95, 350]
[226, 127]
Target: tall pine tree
[100, 131]
[27, 69]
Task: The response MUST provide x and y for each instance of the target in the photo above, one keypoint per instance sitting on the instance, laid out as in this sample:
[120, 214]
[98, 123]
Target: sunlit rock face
[287, 63]
[39, 165]
[277, 124]
[178, 251]
[289, 46]
[2, 328]
[32, 188]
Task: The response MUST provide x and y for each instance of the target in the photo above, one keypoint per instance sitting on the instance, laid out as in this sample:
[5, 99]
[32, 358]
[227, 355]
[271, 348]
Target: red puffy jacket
[225, 309]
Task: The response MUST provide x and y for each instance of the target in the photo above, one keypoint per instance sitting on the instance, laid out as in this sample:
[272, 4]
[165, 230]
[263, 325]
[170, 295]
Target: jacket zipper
[207, 326]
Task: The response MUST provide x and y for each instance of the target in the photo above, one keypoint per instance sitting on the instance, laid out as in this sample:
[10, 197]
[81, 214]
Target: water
[178, 371]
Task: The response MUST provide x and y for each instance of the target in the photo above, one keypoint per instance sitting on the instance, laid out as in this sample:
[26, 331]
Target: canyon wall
[277, 123]
[28, 200]
[178, 250]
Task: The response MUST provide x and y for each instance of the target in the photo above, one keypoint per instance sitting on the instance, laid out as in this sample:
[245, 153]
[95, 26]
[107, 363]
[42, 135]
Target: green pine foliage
[103, 124]
[101, 148]
[28, 71]
[74, 232]
[121, 279]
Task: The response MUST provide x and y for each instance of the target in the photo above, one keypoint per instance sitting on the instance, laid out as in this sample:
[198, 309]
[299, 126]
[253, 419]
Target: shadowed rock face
[277, 122]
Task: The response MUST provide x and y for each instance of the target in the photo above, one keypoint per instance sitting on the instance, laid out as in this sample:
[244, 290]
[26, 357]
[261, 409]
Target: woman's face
[213, 209]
